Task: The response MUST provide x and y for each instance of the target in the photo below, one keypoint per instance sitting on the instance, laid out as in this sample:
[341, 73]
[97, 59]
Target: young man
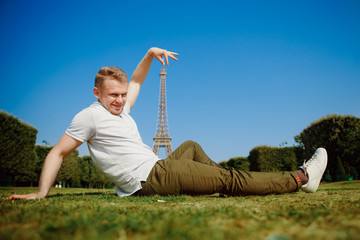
[117, 150]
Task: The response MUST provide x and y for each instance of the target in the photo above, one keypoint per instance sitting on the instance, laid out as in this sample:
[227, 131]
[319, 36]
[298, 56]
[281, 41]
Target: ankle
[302, 175]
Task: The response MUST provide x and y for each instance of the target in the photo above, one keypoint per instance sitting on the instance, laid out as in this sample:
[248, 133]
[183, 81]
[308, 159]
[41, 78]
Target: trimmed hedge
[240, 163]
[17, 151]
[273, 159]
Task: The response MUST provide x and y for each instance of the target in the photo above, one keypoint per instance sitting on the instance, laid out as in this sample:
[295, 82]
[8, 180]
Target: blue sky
[249, 72]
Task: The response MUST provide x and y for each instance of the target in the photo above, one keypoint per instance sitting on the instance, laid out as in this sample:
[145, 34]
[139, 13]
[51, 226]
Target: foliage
[340, 136]
[353, 173]
[85, 173]
[69, 169]
[340, 171]
[240, 163]
[331, 213]
[327, 177]
[92, 177]
[41, 152]
[17, 150]
[268, 159]
[273, 159]
[78, 171]
[21, 161]
[75, 171]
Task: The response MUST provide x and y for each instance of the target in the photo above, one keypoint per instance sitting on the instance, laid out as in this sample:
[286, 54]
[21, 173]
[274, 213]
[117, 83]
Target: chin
[116, 112]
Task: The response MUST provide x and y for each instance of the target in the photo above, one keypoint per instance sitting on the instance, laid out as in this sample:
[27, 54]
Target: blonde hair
[110, 73]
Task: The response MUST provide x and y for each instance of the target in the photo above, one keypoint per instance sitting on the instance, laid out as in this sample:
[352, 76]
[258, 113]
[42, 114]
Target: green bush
[340, 136]
[273, 159]
[17, 151]
[41, 152]
[240, 163]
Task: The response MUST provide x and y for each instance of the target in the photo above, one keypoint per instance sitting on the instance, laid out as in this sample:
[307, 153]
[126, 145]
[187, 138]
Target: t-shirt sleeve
[82, 126]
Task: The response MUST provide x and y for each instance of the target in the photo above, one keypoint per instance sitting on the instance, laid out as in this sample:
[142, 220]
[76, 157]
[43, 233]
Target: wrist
[41, 194]
[151, 51]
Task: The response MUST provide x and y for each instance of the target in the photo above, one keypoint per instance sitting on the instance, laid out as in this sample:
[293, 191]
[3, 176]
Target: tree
[90, 176]
[339, 135]
[98, 178]
[354, 174]
[69, 169]
[340, 171]
[85, 163]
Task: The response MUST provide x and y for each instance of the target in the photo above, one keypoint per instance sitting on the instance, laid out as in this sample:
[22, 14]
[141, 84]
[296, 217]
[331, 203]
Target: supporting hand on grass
[25, 196]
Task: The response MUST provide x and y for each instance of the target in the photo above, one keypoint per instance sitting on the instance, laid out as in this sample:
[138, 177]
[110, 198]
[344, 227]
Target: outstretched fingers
[168, 55]
[159, 53]
[171, 55]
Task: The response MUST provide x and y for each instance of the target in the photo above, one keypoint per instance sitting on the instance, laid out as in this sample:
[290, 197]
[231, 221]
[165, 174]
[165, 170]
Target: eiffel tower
[162, 137]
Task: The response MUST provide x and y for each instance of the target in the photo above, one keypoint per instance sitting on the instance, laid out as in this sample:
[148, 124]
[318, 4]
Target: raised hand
[158, 53]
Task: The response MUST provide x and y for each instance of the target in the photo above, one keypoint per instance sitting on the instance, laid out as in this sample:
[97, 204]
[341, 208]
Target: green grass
[331, 213]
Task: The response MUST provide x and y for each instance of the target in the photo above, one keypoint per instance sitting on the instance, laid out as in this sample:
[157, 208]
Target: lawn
[331, 213]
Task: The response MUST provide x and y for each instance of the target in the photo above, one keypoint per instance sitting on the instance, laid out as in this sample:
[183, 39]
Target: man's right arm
[51, 167]
[142, 70]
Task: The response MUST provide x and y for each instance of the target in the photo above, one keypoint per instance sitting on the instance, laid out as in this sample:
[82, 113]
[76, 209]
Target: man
[117, 150]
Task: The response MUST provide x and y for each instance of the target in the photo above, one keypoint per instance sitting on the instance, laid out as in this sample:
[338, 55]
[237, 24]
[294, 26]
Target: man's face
[112, 95]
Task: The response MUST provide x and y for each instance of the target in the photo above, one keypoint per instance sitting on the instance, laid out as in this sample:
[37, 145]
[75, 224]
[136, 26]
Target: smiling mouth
[117, 106]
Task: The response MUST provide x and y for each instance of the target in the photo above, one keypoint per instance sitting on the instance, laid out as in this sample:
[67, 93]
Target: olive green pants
[188, 170]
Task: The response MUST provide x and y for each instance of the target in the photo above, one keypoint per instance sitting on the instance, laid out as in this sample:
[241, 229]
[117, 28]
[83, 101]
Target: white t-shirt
[115, 146]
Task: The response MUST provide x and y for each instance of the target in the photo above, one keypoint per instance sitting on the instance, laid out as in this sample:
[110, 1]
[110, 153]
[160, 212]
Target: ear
[96, 92]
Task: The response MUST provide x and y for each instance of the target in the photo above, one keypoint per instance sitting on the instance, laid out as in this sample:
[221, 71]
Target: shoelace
[306, 164]
[311, 161]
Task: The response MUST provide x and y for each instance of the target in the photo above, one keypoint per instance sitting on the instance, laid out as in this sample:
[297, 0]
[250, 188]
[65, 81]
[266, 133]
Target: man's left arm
[142, 70]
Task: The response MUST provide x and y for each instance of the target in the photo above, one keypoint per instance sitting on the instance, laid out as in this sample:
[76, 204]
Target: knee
[190, 143]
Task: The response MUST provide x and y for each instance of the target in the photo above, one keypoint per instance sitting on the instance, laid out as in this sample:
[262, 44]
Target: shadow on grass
[80, 194]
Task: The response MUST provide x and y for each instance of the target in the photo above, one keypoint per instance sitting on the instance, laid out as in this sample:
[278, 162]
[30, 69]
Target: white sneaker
[314, 169]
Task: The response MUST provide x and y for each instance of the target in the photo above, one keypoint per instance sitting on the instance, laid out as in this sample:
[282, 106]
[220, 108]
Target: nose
[120, 99]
